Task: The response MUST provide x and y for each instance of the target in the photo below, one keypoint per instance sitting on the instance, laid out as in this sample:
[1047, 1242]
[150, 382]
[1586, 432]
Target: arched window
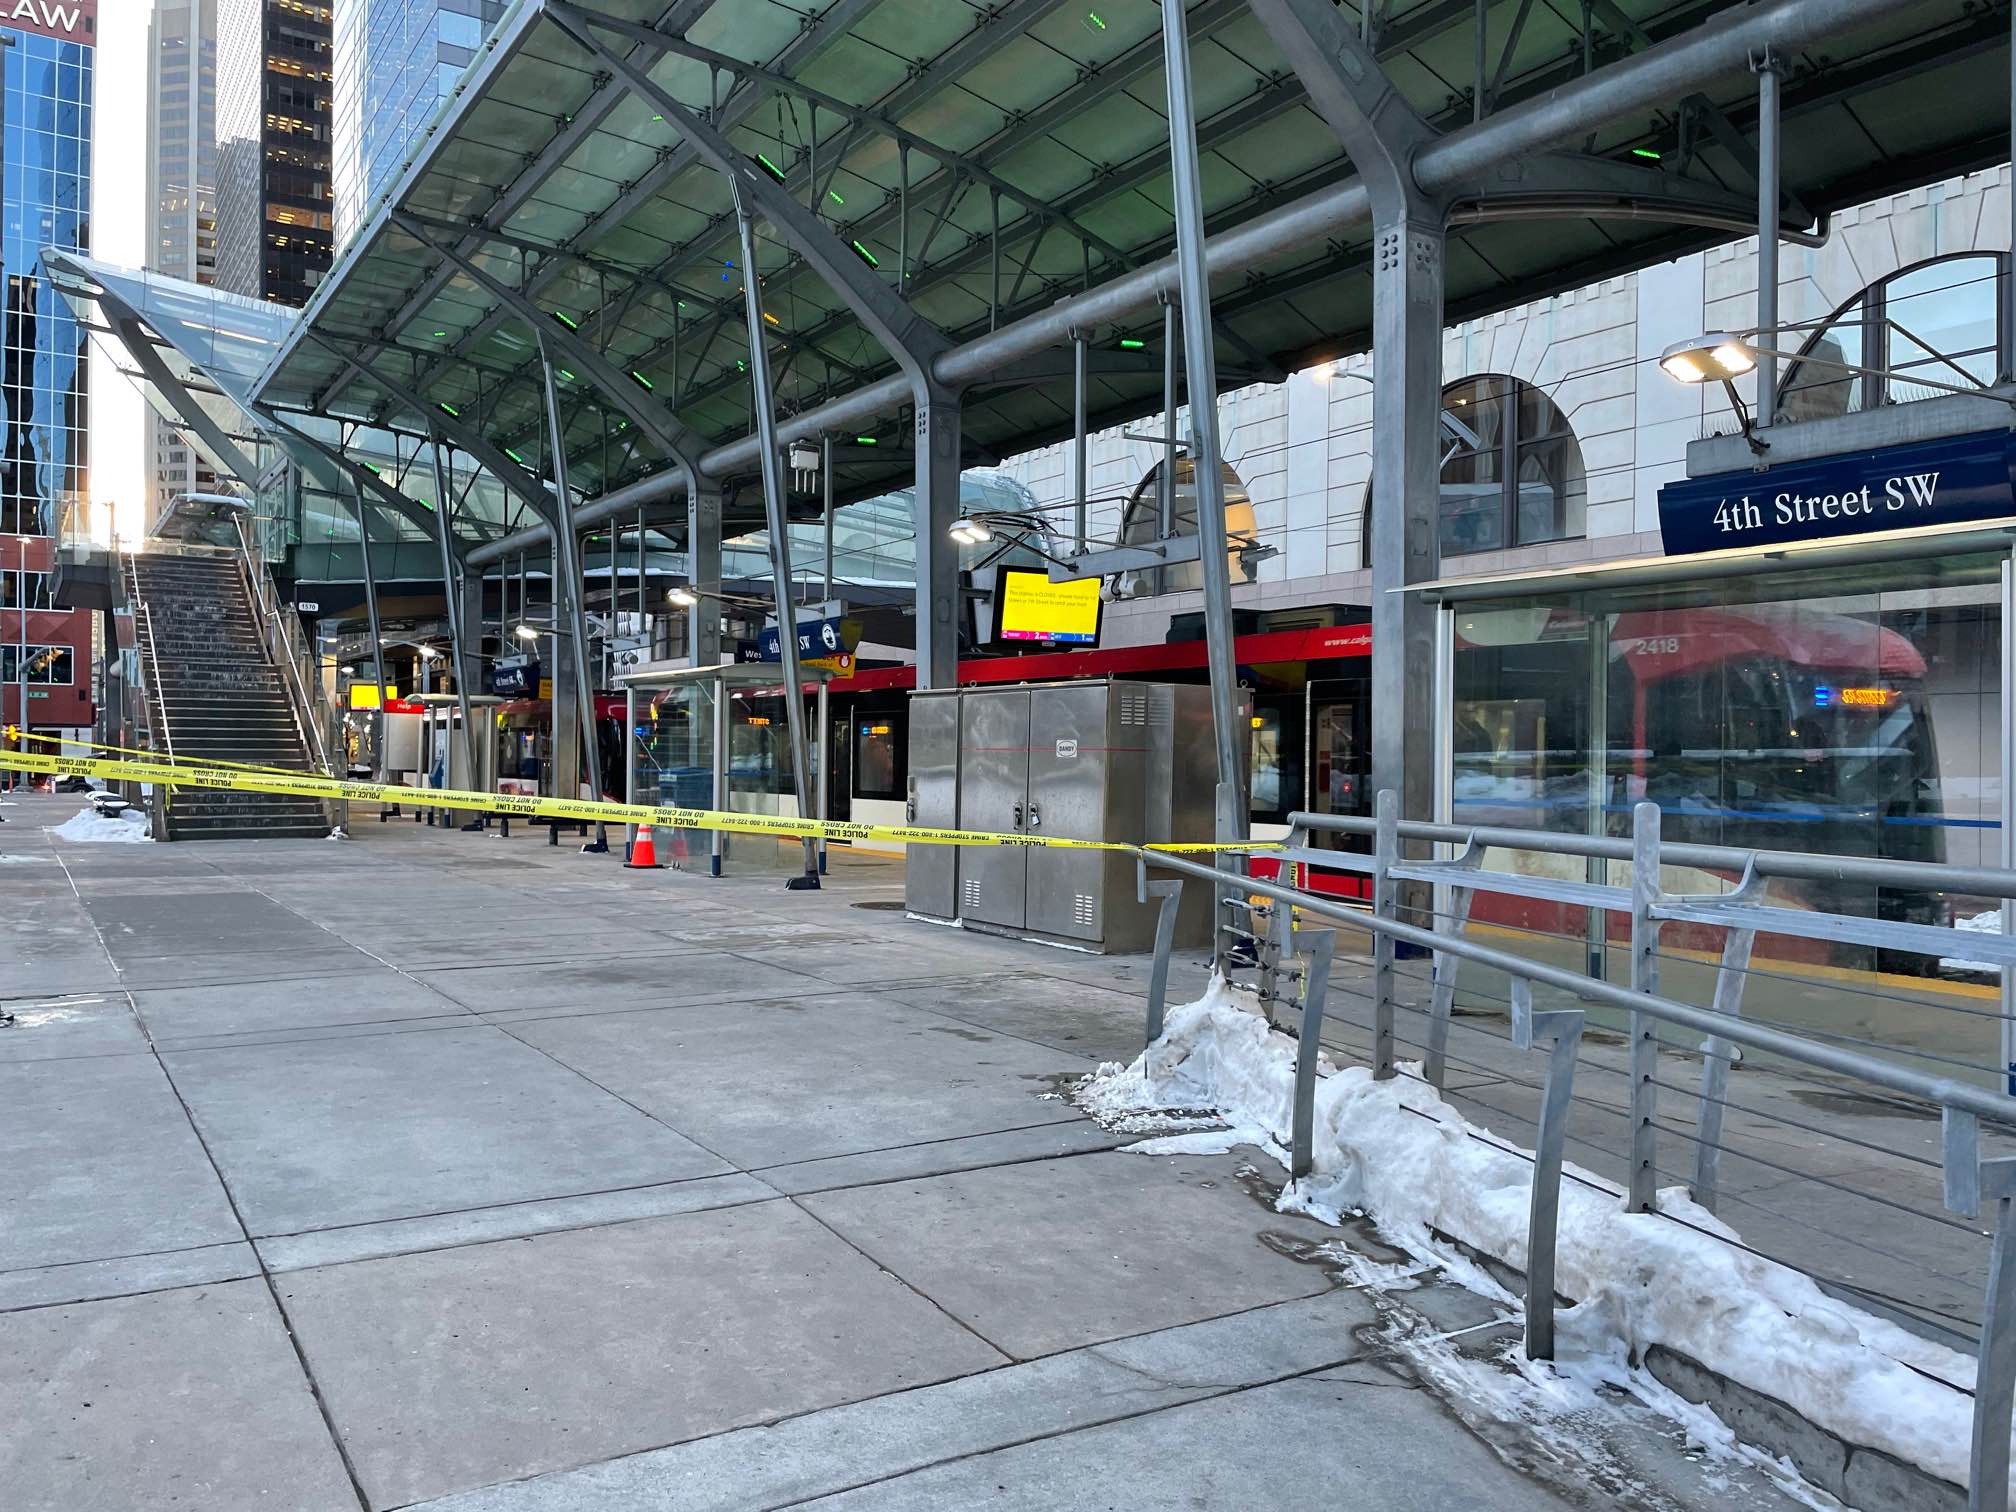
[1940, 320]
[1512, 473]
[1140, 526]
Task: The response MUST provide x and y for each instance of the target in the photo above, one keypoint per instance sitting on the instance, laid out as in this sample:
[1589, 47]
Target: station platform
[432, 1169]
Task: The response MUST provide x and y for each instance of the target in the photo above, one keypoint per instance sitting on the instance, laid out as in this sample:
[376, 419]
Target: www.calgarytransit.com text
[1908, 490]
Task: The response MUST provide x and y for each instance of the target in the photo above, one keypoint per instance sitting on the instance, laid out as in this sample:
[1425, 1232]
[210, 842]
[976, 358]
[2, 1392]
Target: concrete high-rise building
[181, 196]
[273, 187]
[46, 66]
[395, 59]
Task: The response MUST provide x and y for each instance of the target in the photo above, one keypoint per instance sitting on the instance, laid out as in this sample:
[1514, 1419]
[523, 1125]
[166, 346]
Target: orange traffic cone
[643, 851]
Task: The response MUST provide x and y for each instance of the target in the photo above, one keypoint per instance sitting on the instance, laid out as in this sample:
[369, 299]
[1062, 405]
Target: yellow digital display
[1029, 607]
[367, 696]
[1866, 698]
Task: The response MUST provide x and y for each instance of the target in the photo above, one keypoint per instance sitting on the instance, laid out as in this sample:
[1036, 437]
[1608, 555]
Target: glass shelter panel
[1795, 712]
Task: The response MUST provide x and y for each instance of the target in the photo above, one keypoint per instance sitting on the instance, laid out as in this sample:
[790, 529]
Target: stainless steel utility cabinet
[1105, 760]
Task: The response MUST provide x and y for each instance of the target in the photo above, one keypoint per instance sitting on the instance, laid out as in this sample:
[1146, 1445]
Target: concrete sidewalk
[439, 1170]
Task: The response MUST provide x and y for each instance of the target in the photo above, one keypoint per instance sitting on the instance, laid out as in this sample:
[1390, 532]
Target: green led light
[1129, 344]
[834, 195]
[447, 409]
[660, 118]
[867, 256]
[514, 456]
[377, 474]
[568, 377]
[771, 168]
[641, 378]
[566, 320]
[425, 505]
[866, 441]
[1645, 152]
[741, 366]
[1094, 20]
[444, 333]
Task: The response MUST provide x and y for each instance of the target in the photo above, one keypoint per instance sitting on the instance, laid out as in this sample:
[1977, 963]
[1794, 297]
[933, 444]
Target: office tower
[182, 197]
[273, 196]
[395, 60]
[46, 57]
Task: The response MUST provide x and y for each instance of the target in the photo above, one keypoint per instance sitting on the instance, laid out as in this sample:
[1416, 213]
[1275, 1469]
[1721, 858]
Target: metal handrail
[1970, 1180]
[280, 646]
[1802, 866]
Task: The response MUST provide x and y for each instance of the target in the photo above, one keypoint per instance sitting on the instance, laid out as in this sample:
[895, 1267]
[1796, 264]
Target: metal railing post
[1643, 1181]
[1316, 947]
[1385, 853]
[1970, 1182]
[1717, 1054]
[1171, 894]
[1561, 1028]
[1434, 1061]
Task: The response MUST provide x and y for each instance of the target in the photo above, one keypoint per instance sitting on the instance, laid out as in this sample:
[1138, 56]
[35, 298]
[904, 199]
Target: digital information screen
[1029, 607]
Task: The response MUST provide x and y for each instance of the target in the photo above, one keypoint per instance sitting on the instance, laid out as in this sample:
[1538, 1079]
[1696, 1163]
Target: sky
[119, 235]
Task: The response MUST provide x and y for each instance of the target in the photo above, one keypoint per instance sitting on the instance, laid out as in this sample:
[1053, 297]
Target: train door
[1337, 765]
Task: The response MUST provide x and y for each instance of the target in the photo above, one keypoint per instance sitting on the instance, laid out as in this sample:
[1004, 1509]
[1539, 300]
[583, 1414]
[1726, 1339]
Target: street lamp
[1724, 356]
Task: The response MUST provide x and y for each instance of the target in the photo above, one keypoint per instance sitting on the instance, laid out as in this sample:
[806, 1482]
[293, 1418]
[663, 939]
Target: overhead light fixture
[685, 598]
[528, 632]
[1714, 358]
[972, 532]
[427, 653]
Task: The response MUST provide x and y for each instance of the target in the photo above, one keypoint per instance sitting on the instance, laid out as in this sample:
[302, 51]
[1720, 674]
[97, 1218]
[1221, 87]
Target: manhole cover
[881, 905]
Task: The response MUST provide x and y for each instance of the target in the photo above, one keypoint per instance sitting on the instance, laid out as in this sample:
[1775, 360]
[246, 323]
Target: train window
[878, 754]
[1268, 788]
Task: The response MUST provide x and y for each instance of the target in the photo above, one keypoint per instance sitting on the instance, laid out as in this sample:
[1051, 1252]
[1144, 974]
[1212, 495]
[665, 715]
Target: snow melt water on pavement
[1395, 1152]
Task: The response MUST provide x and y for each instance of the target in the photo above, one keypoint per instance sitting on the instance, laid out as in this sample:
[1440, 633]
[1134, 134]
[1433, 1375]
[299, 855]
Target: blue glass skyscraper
[45, 200]
[395, 60]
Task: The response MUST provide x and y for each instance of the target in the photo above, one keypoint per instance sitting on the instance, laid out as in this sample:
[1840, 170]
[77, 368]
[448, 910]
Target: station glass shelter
[1826, 689]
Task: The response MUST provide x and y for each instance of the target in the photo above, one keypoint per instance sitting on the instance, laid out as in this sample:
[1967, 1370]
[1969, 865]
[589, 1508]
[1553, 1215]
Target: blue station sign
[816, 639]
[1947, 481]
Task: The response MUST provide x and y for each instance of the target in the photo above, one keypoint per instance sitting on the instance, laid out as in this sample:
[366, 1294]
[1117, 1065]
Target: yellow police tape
[191, 774]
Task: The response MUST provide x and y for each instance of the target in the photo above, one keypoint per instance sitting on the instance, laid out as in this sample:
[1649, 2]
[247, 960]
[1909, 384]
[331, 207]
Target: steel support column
[1078, 400]
[703, 576]
[779, 521]
[1200, 366]
[1767, 238]
[935, 505]
[453, 585]
[567, 587]
[377, 634]
[1384, 136]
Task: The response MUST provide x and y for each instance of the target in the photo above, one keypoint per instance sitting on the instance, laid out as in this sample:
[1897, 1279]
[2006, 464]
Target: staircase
[214, 694]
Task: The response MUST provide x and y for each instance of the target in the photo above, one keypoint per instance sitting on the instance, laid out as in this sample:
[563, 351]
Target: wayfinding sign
[1950, 480]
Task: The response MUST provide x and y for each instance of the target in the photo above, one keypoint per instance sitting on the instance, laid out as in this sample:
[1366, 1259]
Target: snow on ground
[1395, 1152]
[85, 825]
[1988, 922]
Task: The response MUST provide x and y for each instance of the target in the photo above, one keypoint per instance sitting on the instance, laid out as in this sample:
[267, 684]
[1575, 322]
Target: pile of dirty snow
[87, 825]
[1395, 1152]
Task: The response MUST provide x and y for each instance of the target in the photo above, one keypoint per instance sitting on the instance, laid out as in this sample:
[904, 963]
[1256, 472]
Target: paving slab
[1049, 1255]
[189, 1398]
[1098, 1022]
[88, 1280]
[1313, 1444]
[768, 1082]
[861, 963]
[605, 982]
[91, 1023]
[370, 994]
[330, 958]
[839, 1448]
[100, 1162]
[971, 1152]
[465, 1367]
[192, 923]
[321, 1133]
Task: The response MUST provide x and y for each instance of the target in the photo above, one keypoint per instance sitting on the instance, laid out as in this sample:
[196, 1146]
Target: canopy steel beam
[664, 429]
[486, 456]
[910, 339]
[132, 335]
[360, 476]
[831, 25]
[467, 662]
[780, 536]
[1715, 50]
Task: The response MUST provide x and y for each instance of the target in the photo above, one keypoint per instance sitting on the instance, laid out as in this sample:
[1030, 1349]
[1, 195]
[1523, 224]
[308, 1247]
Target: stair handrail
[277, 634]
